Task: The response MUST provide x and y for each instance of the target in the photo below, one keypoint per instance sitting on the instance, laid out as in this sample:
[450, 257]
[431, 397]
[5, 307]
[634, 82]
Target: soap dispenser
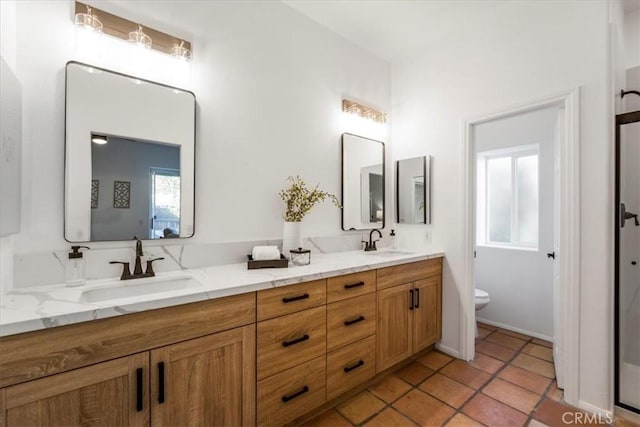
[393, 239]
[76, 267]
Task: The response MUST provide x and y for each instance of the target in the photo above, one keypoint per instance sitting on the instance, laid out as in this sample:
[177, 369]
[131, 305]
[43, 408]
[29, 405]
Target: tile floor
[510, 383]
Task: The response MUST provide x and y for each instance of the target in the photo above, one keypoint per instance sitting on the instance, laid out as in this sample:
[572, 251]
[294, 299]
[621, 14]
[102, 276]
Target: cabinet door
[394, 326]
[426, 313]
[111, 393]
[208, 381]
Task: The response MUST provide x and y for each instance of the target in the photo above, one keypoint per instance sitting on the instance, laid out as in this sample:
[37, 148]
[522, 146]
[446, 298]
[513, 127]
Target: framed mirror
[413, 190]
[129, 157]
[363, 180]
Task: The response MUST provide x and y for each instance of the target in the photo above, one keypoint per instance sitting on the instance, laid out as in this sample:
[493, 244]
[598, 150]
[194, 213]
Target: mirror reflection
[363, 181]
[129, 157]
[145, 178]
[413, 190]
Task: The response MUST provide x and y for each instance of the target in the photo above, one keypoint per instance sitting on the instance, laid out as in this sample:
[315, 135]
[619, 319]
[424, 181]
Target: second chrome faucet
[137, 269]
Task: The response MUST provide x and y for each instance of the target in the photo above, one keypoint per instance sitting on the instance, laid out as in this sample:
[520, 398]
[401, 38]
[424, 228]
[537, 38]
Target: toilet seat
[481, 296]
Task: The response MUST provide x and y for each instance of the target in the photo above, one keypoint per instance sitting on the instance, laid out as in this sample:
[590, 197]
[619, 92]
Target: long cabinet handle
[291, 396]
[355, 366]
[354, 285]
[417, 298]
[161, 382]
[139, 386]
[351, 322]
[296, 341]
[296, 298]
[410, 299]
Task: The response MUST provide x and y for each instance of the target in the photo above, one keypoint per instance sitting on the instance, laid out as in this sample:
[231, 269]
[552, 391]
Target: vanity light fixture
[121, 28]
[98, 139]
[352, 107]
[139, 38]
[88, 20]
[181, 52]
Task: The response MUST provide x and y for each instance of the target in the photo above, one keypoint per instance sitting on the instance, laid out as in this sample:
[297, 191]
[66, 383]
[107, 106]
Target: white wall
[523, 52]
[632, 38]
[269, 84]
[520, 282]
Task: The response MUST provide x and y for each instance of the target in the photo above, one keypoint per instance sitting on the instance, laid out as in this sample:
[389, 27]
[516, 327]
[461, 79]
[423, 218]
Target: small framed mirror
[363, 182]
[413, 190]
[129, 157]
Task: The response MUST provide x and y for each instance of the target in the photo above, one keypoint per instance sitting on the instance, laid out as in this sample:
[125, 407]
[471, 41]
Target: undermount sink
[137, 287]
[389, 254]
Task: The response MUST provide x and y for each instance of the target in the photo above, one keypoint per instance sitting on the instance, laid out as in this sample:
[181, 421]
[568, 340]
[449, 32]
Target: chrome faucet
[371, 244]
[137, 269]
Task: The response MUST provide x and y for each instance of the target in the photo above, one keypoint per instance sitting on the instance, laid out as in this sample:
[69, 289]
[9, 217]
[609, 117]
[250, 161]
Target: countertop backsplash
[43, 268]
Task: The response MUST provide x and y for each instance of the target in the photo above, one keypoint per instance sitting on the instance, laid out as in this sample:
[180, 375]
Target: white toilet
[481, 300]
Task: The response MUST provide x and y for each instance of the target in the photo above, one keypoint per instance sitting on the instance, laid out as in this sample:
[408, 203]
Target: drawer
[351, 285]
[350, 320]
[289, 299]
[405, 273]
[290, 394]
[290, 340]
[350, 366]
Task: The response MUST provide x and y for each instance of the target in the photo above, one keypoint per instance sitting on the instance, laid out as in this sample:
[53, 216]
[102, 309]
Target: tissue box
[283, 262]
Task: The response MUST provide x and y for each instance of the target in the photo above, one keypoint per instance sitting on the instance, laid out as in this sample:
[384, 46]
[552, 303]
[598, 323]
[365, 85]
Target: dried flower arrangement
[300, 199]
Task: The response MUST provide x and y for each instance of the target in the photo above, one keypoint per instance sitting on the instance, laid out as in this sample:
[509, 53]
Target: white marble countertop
[42, 307]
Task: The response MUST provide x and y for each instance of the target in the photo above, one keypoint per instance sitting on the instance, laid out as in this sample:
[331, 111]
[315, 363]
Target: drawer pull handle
[351, 322]
[161, 382]
[357, 365]
[296, 341]
[292, 299]
[302, 391]
[410, 299]
[139, 389]
[354, 285]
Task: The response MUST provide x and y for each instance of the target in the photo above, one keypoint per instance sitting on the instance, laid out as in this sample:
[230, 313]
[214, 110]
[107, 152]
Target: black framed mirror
[363, 183]
[413, 190]
[129, 157]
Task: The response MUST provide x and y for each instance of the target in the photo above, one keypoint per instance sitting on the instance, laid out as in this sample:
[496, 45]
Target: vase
[291, 237]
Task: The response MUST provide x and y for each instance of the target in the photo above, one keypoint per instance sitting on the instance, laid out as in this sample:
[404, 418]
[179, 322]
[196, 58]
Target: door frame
[568, 228]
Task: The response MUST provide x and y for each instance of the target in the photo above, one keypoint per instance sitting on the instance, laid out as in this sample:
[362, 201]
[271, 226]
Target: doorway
[164, 203]
[563, 213]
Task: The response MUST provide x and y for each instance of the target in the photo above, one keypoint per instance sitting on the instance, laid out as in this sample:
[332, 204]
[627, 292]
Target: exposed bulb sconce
[181, 52]
[98, 139]
[88, 20]
[120, 28]
[139, 38]
[352, 107]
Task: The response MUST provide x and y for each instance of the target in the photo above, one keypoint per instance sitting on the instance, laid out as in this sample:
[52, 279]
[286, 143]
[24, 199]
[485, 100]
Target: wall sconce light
[139, 38]
[121, 28]
[88, 21]
[352, 107]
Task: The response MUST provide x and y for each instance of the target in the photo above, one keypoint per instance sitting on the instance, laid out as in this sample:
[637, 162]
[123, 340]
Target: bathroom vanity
[268, 353]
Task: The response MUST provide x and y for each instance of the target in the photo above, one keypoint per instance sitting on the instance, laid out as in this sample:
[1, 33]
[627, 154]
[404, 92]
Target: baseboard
[448, 350]
[604, 416]
[514, 329]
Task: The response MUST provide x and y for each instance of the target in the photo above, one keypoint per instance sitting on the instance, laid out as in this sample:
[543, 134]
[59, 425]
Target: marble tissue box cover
[51, 265]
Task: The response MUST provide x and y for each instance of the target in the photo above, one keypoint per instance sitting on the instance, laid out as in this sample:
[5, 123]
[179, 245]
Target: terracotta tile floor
[510, 383]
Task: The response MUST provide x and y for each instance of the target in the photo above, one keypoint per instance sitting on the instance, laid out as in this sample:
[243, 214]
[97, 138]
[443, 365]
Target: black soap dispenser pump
[75, 274]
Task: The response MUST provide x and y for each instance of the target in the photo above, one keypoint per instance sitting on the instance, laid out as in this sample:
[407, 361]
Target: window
[507, 192]
[165, 203]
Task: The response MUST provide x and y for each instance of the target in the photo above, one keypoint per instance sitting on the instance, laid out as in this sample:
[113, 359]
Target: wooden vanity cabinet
[205, 381]
[203, 373]
[109, 393]
[409, 313]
